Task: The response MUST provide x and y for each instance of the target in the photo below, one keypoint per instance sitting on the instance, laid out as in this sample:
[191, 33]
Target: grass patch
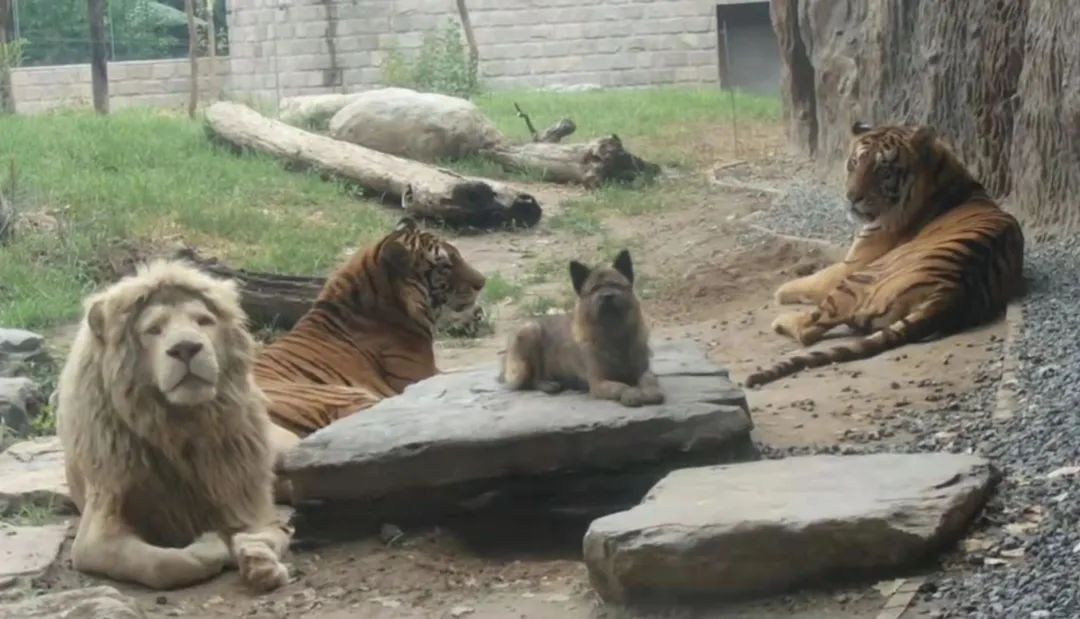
[33, 514]
[498, 289]
[632, 113]
[139, 175]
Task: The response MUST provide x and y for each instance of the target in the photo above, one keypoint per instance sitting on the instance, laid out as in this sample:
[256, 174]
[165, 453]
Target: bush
[442, 65]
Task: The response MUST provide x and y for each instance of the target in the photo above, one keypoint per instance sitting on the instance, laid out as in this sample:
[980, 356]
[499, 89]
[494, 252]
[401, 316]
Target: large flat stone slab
[28, 551]
[32, 472]
[464, 428]
[764, 527]
[89, 603]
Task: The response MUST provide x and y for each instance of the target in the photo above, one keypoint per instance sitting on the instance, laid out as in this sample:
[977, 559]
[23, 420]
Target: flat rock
[764, 527]
[28, 551]
[87, 603]
[464, 428]
[32, 472]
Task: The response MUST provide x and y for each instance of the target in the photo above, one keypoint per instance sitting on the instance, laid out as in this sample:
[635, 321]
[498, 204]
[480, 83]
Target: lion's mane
[176, 473]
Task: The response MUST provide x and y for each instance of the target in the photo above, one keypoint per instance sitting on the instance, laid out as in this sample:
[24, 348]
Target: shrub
[442, 65]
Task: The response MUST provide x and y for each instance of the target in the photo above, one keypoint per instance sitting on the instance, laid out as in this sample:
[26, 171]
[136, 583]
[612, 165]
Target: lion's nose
[184, 351]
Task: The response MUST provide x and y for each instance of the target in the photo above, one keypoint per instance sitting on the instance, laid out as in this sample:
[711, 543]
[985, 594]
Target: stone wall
[159, 83]
[997, 79]
[282, 48]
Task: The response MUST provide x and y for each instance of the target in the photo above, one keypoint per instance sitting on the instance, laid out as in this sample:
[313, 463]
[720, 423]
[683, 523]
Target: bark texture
[423, 190]
[996, 79]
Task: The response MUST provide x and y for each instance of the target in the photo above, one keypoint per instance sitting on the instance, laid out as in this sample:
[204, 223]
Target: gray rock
[28, 551]
[32, 472]
[764, 527]
[464, 429]
[17, 347]
[312, 111]
[418, 125]
[20, 402]
[89, 603]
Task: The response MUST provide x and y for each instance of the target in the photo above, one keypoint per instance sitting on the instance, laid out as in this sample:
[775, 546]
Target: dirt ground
[711, 279]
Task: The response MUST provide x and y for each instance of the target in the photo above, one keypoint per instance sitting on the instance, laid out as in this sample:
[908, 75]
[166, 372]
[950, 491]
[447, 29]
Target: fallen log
[590, 163]
[270, 300]
[424, 191]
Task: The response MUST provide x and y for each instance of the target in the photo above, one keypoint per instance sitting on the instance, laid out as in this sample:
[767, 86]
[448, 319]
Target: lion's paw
[210, 549]
[632, 397]
[259, 567]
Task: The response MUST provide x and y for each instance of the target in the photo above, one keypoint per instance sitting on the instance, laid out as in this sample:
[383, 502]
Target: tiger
[370, 332]
[934, 254]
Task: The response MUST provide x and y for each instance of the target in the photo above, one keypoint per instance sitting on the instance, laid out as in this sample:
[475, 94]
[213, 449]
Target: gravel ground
[1027, 559]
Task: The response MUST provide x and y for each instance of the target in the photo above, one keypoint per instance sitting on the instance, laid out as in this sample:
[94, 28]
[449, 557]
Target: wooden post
[7, 93]
[193, 56]
[99, 55]
[211, 39]
[470, 38]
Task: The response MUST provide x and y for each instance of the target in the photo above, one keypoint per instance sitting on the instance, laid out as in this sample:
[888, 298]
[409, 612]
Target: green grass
[139, 175]
[628, 113]
[540, 305]
[498, 289]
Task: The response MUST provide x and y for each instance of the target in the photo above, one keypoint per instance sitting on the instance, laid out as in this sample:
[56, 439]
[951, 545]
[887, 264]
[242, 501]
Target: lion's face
[179, 338]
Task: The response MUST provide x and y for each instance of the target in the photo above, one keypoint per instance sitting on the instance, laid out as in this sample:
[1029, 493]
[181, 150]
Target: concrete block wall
[281, 48]
[158, 83]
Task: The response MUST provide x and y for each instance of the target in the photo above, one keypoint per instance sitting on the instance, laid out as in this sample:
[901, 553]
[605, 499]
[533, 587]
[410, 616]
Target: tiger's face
[452, 283]
[884, 166]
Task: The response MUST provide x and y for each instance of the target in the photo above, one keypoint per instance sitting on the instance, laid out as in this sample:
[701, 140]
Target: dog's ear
[395, 260]
[95, 317]
[623, 264]
[578, 274]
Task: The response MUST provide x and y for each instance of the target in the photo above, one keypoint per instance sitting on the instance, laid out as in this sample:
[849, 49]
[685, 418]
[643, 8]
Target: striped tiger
[370, 332]
[935, 254]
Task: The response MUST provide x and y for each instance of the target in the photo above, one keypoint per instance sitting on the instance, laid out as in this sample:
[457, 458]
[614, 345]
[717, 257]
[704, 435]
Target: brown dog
[601, 347]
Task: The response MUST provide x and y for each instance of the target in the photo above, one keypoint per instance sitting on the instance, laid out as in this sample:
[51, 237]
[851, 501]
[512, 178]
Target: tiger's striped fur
[370, 332]
[935, 254]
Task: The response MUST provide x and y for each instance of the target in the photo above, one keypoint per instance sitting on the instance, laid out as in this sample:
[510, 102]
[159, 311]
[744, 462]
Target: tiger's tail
[911, 328]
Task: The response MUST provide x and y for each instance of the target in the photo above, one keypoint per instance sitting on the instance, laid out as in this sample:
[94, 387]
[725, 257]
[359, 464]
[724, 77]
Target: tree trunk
[211, 38]
[99, 54]
[424, 191]
[7, 93]
[587, 163]
[270, 300]
[470, 38]
[193, 57]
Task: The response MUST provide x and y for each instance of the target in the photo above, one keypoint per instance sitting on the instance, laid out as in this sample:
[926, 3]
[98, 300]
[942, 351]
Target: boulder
[423, 126]
[764, 527]
[20, 402]
[17, 347]
[32, 472]
[29, 551]
[88, 603]
[463, 433]
[312, 111]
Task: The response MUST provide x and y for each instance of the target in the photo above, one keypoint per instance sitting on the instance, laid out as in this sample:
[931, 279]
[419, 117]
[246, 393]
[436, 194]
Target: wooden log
[269, 299]
[423, 190]
[590, 163]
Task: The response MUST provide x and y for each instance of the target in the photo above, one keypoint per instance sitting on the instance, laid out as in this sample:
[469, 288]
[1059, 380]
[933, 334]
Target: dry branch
[193, 57]
[586, 163]
[424, 191]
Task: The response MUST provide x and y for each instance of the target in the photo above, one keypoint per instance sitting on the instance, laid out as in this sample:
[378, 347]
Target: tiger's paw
[788, 324]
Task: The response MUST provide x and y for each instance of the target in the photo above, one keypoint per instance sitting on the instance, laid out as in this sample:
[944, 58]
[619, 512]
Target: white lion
[166, 436]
